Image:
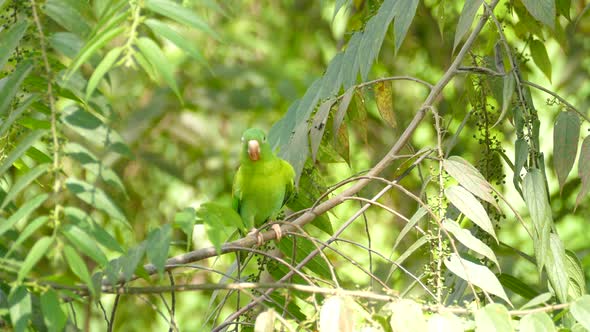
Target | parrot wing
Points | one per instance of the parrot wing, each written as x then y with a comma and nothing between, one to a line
237,191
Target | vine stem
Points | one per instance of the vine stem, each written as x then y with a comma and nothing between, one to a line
243,286
441,195
50,96
136,6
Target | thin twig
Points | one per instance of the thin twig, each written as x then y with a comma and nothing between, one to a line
113,313
52,107
104,313
352,261
480,70
386,208
172,304
558,97
242,286
416,279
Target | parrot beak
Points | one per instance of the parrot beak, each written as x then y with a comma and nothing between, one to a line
253,150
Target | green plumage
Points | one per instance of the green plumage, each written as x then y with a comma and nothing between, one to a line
263,183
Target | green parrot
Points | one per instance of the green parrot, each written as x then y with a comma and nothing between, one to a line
262,184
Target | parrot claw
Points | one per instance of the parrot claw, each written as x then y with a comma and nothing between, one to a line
278,231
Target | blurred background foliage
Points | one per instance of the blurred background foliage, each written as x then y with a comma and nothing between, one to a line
259,58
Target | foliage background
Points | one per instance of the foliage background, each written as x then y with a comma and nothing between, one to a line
181,120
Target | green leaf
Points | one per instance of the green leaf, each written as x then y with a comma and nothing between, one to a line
478,275
113,269
471,208
88,225
542,10
493,317
341,142
470,178
358,115
21,308
517,286
15,114
131,260
280,302
507,91
304,247
521,153
66,43
96,198
216,218
164,31
351,61
332,79
576,279
580,309
556,269
92,46
27,232
33,123
470,8
338,6
105,65
373,35
418,215
384,99
12,84
185,220
538,300
91,163
147,67
405,11
37,252
84,243
180,14
467,239
584,170
93,129
342,108
67,15
536,322
9,39
315,186
23,212
535,196
115,13
156,57
38,155
23,182
402,258
77,265
566,133
158,244
540,57
55,319
23,145
290,134
407,315
563,8
319,126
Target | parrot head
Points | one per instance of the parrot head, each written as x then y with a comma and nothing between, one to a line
254,145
